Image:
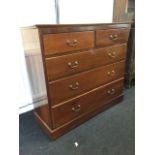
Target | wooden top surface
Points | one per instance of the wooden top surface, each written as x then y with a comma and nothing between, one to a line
93,25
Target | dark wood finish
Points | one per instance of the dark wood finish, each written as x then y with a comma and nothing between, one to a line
64,42
58,67
69,87
44,113
130,61
60,28
119,10
47,129
55,133
123,10
92,26
95,82
87,102
111,37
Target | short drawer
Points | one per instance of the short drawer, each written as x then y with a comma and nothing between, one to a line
64,42
111,37
70,64
85,103
67,88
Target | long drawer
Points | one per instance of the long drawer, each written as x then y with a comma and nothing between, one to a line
66,88
70,64
64,42
111,37
87,102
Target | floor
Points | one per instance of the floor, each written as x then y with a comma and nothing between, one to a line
109,133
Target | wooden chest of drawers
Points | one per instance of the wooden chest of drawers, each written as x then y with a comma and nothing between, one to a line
84,71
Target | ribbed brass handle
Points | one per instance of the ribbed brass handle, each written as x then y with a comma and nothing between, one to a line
76,108
113,37
75,86
72,43
111,92
73,65
112,54
112,73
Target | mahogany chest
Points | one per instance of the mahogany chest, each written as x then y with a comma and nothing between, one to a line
84,71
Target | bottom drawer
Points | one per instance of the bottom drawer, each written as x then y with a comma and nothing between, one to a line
86,102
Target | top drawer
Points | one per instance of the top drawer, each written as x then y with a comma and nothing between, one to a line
111,37
64,42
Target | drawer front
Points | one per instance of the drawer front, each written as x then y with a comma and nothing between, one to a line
69,87
92,100
64,42
111,37
70,64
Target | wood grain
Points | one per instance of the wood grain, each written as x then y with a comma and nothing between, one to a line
103,37
84,71
57,67
55,133
85,103
60,90
64,42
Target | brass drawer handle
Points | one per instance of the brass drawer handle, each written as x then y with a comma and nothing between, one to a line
74,87
112,73
112,55
77,108
73,65
72,43
111,92
113,37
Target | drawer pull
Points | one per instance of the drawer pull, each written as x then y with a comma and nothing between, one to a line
112,55
73,65
72,43
77,108
113,37
112,73
111,92
74,87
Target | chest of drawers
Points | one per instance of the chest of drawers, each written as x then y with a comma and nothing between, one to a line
84,71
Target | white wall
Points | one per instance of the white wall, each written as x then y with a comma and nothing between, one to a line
43,12
29,12
86,11
36,12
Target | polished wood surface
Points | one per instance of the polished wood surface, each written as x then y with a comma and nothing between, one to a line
111,37
56,133
71,86
70,64
85,103
64,42
84,72
45,114
65,28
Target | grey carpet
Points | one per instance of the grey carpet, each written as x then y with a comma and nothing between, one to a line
109,133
